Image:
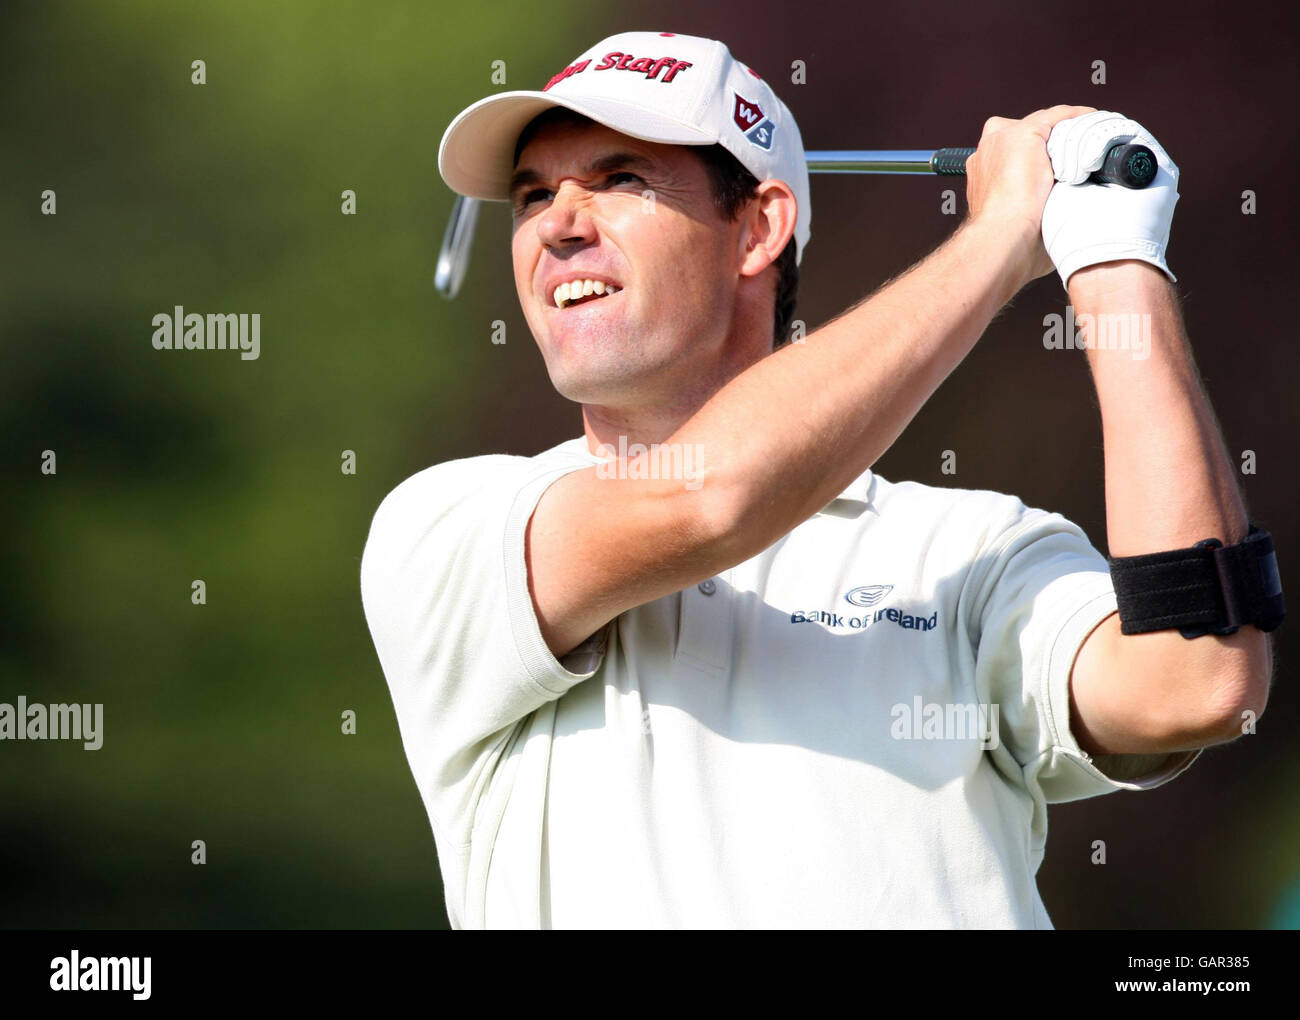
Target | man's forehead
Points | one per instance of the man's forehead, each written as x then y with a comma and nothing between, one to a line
574,130
585,139
597,153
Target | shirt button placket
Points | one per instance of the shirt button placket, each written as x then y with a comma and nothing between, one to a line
704,638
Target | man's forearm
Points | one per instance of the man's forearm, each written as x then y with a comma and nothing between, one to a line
1170,481
785,437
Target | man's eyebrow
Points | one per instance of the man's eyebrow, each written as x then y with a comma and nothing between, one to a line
612,161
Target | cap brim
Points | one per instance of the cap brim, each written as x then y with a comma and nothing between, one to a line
476,155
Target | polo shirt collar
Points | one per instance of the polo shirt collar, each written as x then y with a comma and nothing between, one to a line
855,498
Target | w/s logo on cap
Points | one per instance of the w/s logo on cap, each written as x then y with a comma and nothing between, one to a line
750,119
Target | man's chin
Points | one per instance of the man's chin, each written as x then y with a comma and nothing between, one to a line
588,391
609,388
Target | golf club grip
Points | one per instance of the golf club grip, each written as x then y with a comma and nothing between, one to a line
1126,164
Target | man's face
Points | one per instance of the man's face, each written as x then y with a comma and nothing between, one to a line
637,214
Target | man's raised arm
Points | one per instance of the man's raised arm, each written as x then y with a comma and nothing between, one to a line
786,435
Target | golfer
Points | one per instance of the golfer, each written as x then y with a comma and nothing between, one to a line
701,666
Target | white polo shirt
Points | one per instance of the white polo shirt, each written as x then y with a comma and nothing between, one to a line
797,742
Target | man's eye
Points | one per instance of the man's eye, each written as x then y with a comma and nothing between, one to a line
528,198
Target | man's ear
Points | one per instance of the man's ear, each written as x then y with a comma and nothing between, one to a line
768,225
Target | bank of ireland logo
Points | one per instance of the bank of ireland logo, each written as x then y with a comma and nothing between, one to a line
868,595
750,119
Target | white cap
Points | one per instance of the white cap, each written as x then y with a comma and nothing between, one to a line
656,86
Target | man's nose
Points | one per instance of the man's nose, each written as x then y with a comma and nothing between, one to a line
567,221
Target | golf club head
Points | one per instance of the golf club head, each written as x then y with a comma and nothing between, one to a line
453,259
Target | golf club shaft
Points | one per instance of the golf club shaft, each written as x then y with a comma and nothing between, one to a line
1129,165
1132,166
876,161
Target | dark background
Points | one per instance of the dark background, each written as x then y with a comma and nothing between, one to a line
222,721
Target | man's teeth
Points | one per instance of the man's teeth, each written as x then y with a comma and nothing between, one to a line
566,293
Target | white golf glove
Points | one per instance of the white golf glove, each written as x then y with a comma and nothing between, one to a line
1085,223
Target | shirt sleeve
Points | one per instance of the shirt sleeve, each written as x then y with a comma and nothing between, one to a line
445,591
1044,588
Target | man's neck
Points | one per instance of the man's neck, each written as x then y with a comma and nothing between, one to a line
609,427
656,421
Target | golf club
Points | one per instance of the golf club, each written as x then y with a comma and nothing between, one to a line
1128,165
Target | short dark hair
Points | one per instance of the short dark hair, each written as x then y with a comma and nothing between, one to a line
731,186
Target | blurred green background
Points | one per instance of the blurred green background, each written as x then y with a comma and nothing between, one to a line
222,721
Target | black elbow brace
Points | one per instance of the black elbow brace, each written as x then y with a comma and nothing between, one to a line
1209,588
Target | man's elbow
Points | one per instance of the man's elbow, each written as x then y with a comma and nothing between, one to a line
1231,705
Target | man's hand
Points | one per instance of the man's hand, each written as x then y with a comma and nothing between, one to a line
1086,224
1009,178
